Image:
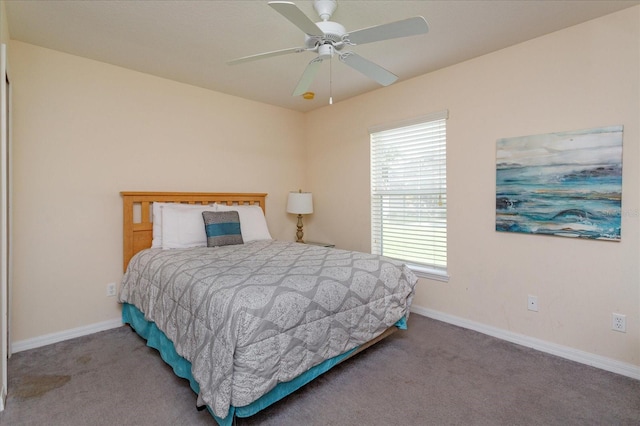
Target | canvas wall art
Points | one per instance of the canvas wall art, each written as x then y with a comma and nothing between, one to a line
566,184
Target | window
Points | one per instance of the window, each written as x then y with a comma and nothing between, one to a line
409,193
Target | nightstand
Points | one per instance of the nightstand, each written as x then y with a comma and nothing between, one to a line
314,243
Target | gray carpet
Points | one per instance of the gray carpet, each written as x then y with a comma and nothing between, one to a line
432,374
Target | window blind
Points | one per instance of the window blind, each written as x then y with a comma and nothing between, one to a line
409,192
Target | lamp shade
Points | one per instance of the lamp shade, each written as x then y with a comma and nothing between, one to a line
300,203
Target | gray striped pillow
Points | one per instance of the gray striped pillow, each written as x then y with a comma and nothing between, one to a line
222,228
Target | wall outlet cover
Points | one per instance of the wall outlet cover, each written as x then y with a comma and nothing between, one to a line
619,322
532,303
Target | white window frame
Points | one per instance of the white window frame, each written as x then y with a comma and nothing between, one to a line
426,227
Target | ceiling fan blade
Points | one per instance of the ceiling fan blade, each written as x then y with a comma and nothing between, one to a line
368,68
266,55
290,11
307,77
404,28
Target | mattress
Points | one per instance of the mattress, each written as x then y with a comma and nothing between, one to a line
182,368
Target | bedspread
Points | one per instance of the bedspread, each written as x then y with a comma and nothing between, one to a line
250,316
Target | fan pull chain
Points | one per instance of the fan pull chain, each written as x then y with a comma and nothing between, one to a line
331,80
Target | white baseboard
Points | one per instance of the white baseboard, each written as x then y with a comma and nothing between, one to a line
48,339
566,352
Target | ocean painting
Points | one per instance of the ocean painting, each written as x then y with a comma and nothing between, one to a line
566,184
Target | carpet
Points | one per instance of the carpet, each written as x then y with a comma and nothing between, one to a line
432,374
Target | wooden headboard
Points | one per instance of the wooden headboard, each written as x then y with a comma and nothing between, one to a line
137,220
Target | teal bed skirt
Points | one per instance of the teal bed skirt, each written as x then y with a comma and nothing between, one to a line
182,368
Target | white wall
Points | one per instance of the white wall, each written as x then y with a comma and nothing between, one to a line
4,25
582,77
83,132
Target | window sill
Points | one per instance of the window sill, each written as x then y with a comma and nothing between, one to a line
429,273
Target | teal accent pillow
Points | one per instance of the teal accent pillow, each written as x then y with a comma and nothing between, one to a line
222,228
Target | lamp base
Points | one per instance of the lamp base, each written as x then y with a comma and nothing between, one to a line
299,233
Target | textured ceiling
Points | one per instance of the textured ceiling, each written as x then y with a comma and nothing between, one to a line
191,41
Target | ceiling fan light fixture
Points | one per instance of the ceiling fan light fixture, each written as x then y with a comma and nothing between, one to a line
308,95
325,51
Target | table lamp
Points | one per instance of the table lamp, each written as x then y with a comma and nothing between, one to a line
300,203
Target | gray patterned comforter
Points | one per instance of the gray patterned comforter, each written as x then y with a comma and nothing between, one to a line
250,316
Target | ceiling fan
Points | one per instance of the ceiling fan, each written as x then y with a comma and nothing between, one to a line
328,38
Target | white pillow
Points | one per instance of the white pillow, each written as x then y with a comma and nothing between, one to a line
253,225
157,224
183,225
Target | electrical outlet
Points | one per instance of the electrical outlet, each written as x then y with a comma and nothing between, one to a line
111,289
532,303
619,322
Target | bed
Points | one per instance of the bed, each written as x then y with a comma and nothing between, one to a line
245,318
